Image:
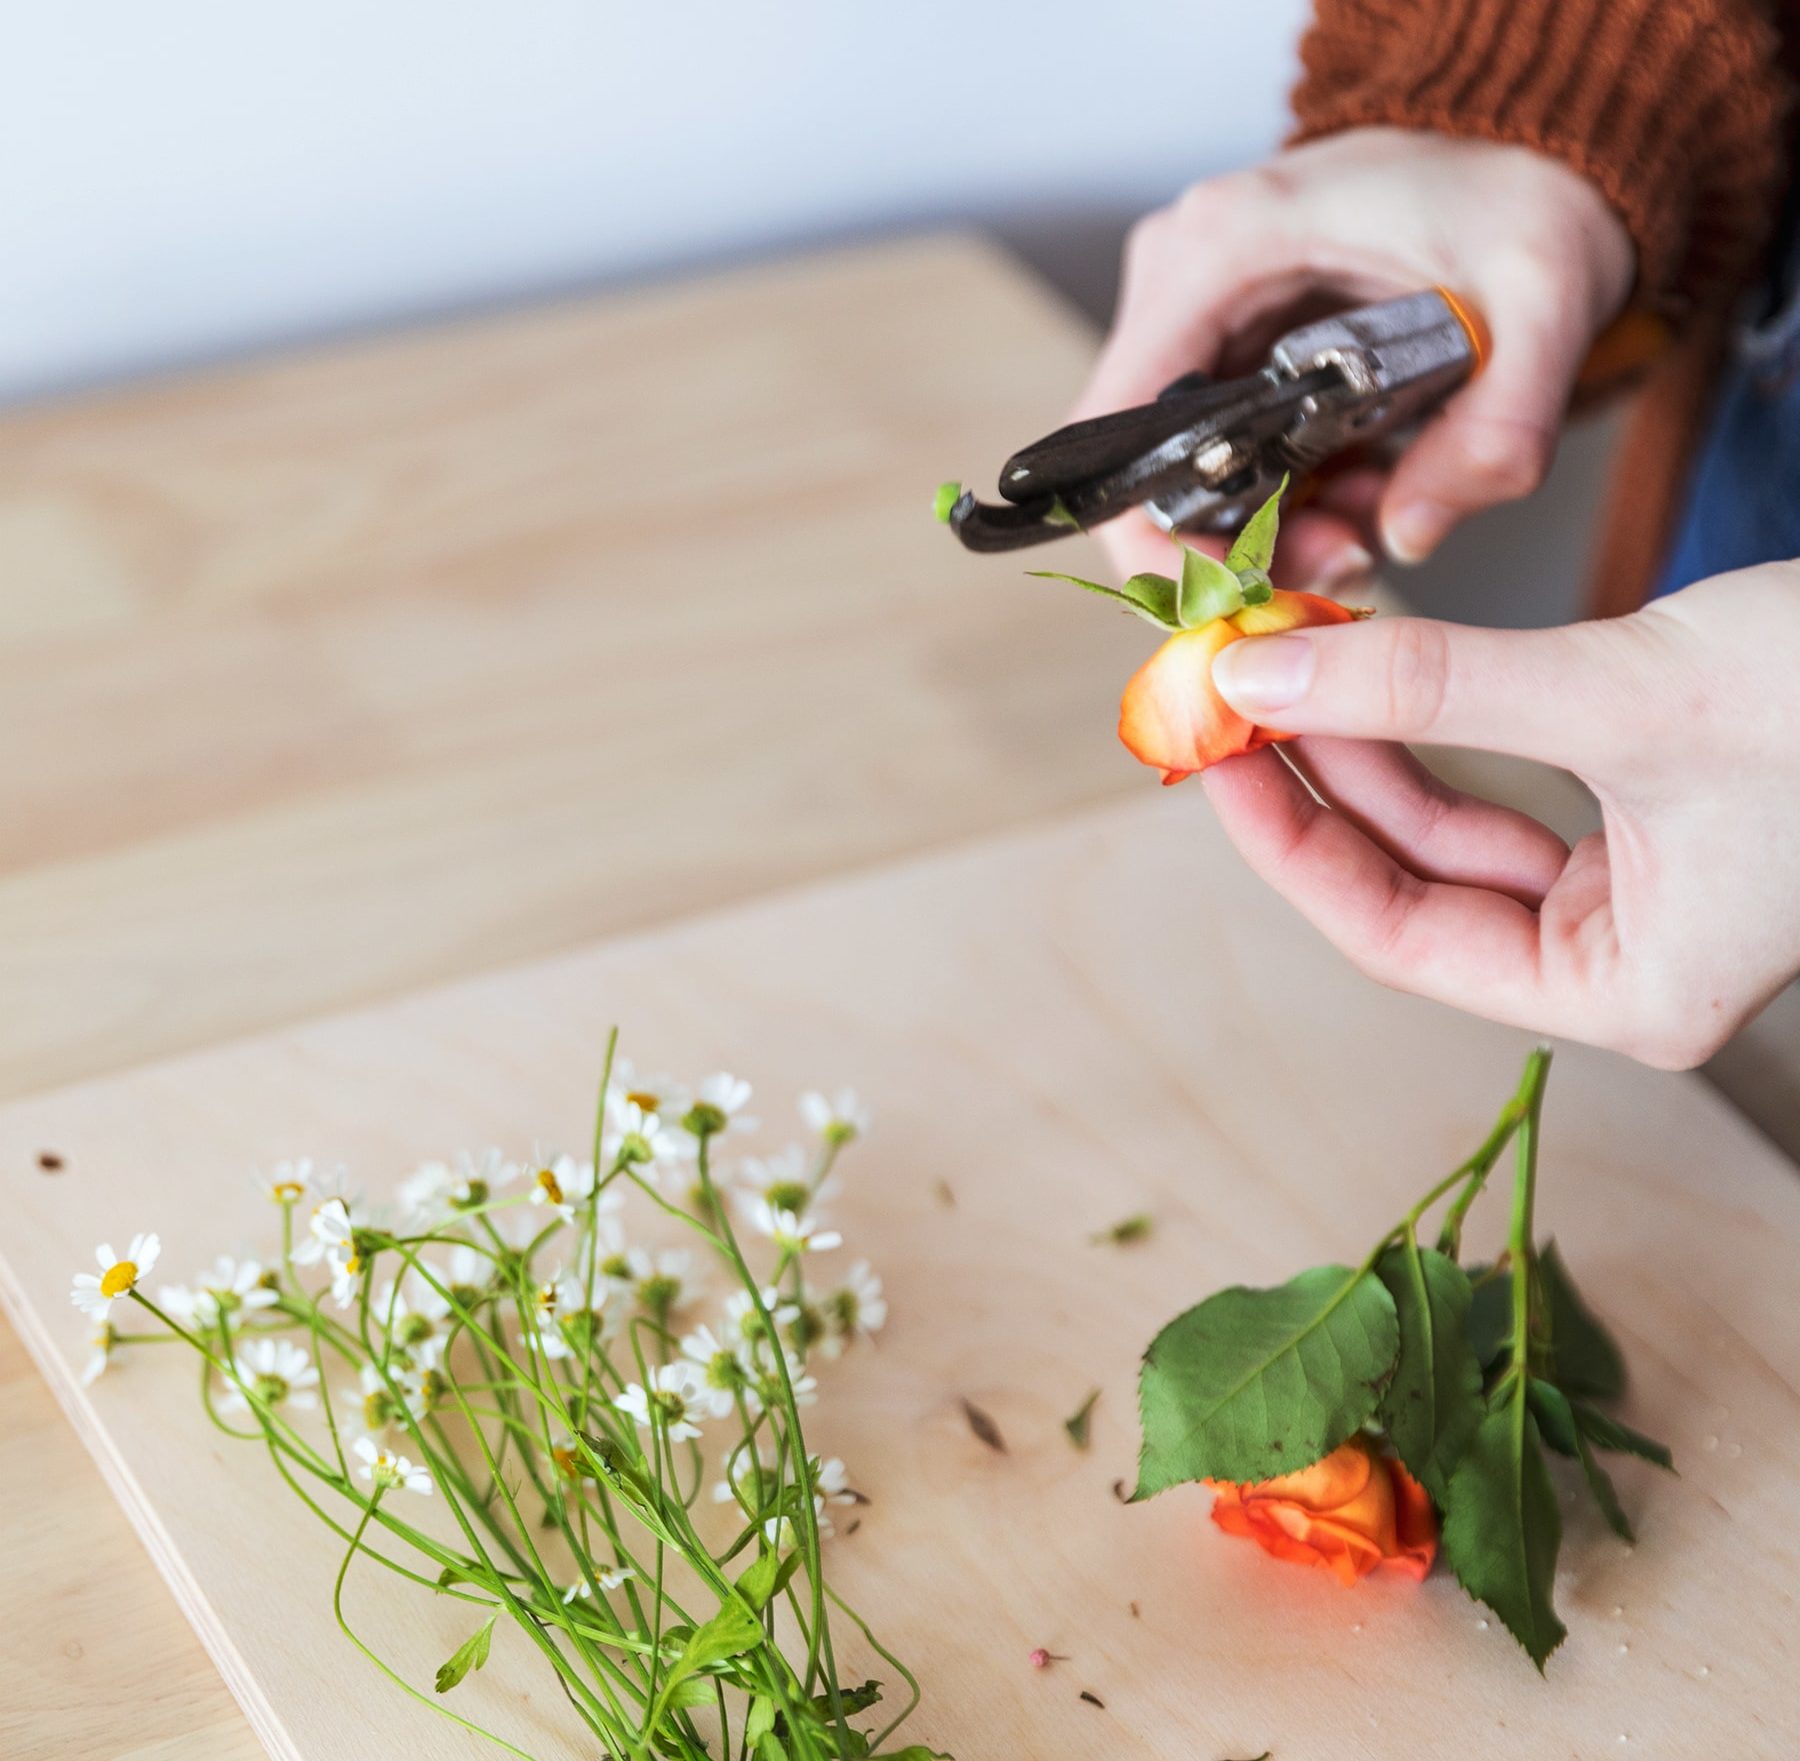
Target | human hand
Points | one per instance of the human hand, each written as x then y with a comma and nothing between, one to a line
1657,937
1211,280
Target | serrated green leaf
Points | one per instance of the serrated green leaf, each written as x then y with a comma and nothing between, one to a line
1150,597
1502,1528
1208,590
1490,1315
1556,1422
770,1747
691,1691
1605,1432
1585,1360
767,1578
470,1654
1254,547
946,498
1556,1419
1432,1405
1253,1383
731,1632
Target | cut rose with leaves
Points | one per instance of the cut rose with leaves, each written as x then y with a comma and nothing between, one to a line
1172,716
1352,1513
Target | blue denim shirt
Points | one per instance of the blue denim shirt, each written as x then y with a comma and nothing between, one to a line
1744,501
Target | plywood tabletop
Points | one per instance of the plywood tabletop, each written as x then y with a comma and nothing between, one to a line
327,676
1065,1026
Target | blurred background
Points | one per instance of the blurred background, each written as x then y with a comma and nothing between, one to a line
194,181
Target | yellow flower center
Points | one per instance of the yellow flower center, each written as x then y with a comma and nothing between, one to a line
285,1192
643,1100
552,1187
118,1279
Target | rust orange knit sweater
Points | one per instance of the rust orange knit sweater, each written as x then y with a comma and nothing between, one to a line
1676,109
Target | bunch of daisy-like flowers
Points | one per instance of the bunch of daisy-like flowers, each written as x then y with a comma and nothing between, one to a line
534,1346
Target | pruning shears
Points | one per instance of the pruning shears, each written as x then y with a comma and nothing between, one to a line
1207,453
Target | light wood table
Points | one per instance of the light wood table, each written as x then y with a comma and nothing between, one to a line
326,678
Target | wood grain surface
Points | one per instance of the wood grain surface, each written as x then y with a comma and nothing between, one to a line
330,675
1065,1026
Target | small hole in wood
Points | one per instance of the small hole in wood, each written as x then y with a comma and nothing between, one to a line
50,1161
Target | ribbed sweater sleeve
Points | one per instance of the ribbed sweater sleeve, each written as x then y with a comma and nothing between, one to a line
1676,109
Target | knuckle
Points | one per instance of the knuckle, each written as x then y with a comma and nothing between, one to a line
1417,676
1509,458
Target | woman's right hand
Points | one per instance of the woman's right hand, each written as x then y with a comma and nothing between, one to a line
1212,279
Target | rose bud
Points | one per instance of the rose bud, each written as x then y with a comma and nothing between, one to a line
1350,1513
1172,715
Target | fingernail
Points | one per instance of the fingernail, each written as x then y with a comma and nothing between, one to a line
1413,531
1346,568
1264,673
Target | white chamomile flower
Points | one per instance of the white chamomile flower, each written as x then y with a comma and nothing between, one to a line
676,1401
792,1235
743,1321
724,1098
383,1469
721,1365
781,1181
660,1279
650,1093
563,1184
94,1293
645,1141
404,1395
608,1577
439,1189
231,1287
101,1341
416,1319
468,1275
276,1371
831,1485
839,1119
287,1183
855,1310
325,1216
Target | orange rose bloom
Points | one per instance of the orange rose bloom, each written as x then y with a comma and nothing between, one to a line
1173,718
1351,1512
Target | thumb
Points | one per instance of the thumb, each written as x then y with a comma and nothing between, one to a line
1570,697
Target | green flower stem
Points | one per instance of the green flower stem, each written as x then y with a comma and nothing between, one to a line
337,1609
1520,1250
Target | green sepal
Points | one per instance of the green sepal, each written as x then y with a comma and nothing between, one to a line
1208,590
1149,596
470,1654
1253,1383
1432,1404
1502,1529
1254,546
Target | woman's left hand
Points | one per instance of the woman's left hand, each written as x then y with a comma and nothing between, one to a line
1657,937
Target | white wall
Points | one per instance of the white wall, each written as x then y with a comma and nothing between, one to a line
189,178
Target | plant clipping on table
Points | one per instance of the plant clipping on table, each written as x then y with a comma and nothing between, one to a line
628,1484
1337,1414
1172,715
